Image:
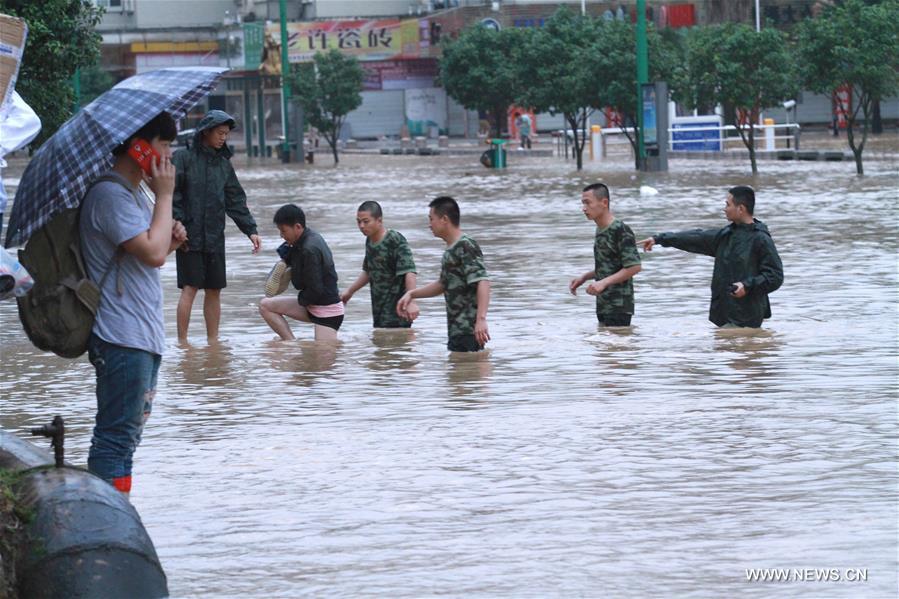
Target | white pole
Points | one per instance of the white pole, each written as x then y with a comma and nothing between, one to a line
758,28
584,7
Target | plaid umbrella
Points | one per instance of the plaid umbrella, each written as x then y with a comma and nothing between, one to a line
61,170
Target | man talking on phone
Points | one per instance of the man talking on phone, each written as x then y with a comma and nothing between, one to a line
207,189
747,266
125,238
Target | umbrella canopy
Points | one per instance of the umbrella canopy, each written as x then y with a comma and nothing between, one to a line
60,172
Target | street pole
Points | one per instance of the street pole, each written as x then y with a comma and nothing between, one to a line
758,17
642,74
76,87
285,83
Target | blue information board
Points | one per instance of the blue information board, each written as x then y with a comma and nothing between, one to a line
696,136
650,131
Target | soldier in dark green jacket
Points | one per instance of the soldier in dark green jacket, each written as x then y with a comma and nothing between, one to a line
207,189
747,266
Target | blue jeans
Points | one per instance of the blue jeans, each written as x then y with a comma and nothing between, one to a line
126,384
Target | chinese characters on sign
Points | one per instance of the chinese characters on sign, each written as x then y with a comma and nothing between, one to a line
373,39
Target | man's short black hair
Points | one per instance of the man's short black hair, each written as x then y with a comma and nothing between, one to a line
162,126
743,196
446,206
372,207
290,214
600,191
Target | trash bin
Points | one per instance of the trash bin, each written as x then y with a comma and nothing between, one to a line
499,153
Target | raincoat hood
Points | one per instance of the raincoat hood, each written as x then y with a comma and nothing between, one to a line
213,118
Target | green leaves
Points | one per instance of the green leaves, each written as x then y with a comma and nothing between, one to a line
328,89
853,44
479,69
61,39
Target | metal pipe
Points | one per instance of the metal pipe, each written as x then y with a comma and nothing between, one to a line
285,83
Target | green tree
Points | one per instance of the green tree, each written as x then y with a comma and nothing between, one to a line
614,60
94,81
328,89
61,39
853,44
734,65
478,70
559,64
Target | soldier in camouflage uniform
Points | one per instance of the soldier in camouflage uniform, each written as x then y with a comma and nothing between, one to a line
615,257
463,281
747,265
388,266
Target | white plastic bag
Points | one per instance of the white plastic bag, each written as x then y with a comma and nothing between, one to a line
14,279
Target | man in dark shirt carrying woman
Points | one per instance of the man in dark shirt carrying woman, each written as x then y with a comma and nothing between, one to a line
312,273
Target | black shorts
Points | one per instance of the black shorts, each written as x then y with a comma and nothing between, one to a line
465,343
614,320
332,322
203,270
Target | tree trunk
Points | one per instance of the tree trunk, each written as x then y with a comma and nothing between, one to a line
864,103
635,143
876,120
755,167
578,142
499,113
335,127
750,141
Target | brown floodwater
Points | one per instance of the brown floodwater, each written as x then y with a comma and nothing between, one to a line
664,459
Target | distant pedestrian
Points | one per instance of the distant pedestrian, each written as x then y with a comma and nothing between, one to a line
206,190
463,281
524,130
747,265
615,257
312,273
388,267
126,236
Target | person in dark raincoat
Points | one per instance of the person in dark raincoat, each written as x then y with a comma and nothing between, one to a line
747,266
207,189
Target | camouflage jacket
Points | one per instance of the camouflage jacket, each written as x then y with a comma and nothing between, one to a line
743,253
615,248
387,262
460,270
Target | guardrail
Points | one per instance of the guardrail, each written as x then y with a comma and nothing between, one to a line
767,137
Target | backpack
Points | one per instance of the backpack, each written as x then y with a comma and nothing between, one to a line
58,312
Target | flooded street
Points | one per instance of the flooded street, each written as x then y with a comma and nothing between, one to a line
665,459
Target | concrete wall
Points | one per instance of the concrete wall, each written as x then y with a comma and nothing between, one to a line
152,14
331,9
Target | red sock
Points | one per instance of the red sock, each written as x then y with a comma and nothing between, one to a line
122,484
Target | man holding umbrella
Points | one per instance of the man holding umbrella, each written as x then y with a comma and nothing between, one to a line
206,189
125,239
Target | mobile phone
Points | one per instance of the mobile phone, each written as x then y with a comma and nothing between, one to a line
143,153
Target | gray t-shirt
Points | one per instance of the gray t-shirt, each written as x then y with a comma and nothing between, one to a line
111,215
